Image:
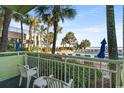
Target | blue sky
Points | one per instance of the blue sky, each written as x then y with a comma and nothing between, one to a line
90,23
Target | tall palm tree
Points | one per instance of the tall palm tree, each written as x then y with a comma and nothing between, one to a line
1,17
36,27
123,31
48,39
123,51
47,18
4,39
33,23
111,32
42,33
59,14
111,36
18,18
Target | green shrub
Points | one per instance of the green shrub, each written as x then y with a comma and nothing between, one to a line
10,48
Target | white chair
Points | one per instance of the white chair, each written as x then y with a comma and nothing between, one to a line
26,72
56,83
40,82
50,82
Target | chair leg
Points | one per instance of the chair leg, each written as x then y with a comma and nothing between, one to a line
20,81
33,86
28,81
37,74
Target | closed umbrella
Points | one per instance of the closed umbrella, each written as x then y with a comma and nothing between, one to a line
17,46
102,49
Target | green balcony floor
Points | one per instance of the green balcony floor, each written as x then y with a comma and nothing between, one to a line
14,83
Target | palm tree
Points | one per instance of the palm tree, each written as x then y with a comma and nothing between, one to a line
111,36
1,17
36,27
56,14
42,33
60,13
123,31
18,18
33,23
47,18
59,29
4,39
48,39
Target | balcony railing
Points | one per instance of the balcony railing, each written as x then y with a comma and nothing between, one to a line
86,72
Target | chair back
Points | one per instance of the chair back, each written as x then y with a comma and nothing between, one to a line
23,70
56,83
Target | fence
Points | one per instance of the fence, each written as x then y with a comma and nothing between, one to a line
86,72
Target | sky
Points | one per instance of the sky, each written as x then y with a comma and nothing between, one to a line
89,23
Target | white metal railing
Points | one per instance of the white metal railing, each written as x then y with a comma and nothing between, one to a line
12,53
86,72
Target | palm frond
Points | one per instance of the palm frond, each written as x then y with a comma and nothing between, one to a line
42,9
69,13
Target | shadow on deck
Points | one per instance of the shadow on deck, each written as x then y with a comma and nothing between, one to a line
14,83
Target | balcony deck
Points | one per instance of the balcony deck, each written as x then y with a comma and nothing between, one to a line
14,83
85,72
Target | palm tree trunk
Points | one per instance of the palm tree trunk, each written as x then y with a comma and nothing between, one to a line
111,36
123,31
55,35
4,38
69,47
55,24
1,18
47,37
63,46
30,38
21,23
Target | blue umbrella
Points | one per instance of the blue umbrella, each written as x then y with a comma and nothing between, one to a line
17,46
102,49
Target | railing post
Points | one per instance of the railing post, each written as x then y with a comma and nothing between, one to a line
38,64
118,74
65,69
26,59
18,53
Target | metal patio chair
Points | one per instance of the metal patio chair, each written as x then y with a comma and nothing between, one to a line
26,72
51,82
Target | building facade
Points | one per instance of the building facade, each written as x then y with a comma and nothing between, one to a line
14,34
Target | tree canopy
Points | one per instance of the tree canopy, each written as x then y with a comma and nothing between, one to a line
84,44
